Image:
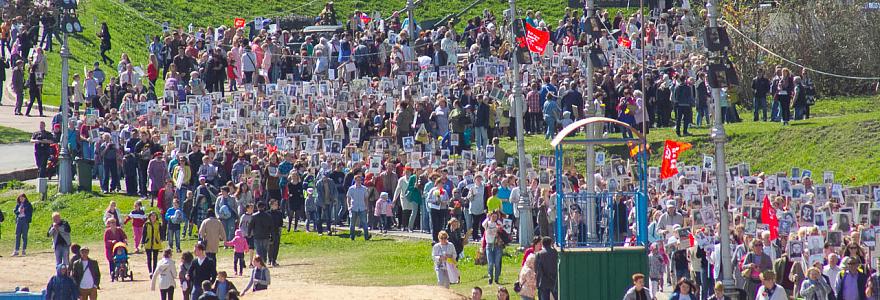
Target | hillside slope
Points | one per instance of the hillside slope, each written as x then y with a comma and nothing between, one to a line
842,137
130,23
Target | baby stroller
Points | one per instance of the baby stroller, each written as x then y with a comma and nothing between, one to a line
120,261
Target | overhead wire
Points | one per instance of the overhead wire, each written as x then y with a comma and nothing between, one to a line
768,51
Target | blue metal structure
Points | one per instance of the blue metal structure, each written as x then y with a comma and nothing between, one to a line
569,205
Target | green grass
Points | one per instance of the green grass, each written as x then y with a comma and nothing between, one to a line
12,135
131,21
841,138
389,262
382,261
84,211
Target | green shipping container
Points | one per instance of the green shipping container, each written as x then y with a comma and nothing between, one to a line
599,273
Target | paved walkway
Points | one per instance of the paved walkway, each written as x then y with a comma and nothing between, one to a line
19,156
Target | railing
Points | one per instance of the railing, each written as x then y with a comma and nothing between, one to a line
587,219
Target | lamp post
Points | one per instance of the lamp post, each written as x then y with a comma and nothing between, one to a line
69,24
526,228
719,138
591,131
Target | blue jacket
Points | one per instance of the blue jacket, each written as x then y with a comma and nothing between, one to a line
551,110
28,212
62,288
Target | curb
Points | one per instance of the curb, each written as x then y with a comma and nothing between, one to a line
20,175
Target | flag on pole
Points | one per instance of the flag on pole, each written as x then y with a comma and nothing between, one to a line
624,42
669,167
536,39
768,216
239,23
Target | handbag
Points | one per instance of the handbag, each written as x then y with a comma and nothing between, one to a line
517,287
480,260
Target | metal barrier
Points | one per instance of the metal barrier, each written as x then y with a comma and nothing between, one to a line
591,219
587,219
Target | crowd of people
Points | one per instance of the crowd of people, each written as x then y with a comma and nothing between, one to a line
386,129
791,237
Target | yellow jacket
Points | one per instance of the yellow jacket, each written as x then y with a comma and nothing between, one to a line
187,174
152,239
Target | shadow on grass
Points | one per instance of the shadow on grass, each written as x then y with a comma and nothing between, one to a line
82,39
801,123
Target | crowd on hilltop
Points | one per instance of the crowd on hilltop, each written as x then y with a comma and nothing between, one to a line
260,128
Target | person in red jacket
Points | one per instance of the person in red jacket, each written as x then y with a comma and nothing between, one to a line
153,72
231,71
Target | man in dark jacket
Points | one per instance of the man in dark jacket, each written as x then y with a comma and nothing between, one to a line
203,268
573,101
86,275
683,96
277,223
62,286
18,85
760,86
261,229
546,270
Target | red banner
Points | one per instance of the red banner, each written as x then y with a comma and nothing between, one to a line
239,23
624,42
670,158
536,39
768,216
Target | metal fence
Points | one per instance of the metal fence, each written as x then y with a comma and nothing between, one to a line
587,219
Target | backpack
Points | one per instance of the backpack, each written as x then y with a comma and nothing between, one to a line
225,210
177,218
225,213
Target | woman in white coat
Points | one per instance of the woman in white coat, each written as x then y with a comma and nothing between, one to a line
166,274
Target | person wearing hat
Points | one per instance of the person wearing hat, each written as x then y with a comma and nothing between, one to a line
670,217
86,275
157,174
61,286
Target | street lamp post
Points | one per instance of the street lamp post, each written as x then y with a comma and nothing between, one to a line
69,23
591,131
526,228
65,174
719,138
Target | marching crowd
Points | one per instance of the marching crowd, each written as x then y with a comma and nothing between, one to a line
262,128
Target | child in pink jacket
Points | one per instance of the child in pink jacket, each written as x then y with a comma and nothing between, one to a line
385,211
240,245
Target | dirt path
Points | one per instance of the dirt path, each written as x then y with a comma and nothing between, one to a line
289,281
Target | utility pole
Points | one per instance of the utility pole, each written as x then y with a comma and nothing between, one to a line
524,205
65,174
591,133
411,29
719,138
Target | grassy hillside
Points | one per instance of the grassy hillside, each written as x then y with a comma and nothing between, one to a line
131,21
12,135
842,137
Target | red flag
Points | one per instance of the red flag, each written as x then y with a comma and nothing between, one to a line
669,167
366,19
624,42
768,216
536,39
239,23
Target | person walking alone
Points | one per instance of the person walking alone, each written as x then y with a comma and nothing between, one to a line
59,231
23,213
